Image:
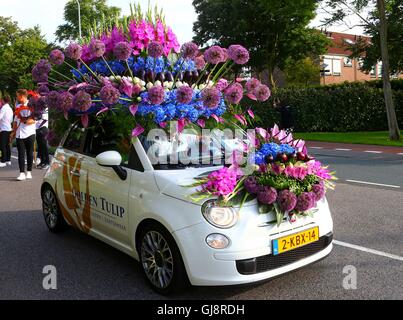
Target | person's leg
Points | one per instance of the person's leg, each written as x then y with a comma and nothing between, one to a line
21,154
39,144
43,145
3,149
8,147
29,146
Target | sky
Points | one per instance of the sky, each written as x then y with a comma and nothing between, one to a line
180,15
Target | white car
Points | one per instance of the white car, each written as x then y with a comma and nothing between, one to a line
145,211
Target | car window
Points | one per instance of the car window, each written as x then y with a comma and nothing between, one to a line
104,137
75,139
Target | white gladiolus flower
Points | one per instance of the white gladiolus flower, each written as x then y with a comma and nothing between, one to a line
158,83
149,85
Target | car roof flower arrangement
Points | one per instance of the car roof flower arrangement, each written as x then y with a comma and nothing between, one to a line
138,66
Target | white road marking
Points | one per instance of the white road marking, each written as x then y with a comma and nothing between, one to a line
379,253
369,151
400,154
14,157
374,184
315,148
342,149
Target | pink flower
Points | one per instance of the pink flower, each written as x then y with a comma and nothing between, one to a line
221,182
222,84
262,93
137,131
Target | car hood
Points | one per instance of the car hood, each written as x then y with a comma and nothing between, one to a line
175,183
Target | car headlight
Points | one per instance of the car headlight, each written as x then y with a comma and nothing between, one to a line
219,216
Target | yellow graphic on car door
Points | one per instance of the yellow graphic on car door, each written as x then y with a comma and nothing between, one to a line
75,212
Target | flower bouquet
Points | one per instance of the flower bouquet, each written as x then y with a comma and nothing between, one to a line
139,67
279,174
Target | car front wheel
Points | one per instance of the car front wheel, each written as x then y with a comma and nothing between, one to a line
161,260
51,211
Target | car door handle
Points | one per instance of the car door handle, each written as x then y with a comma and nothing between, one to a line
75,173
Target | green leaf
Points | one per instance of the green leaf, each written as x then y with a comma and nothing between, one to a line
279,214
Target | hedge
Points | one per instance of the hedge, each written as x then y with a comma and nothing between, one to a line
334,108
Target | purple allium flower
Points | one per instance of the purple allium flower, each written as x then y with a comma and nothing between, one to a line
109,95
252,84
56,57
97,48
52,99
225,54
39,77
262,93
156,95
306,201
266,195
251,185
82,101
234,93
122,50
155,49
287,200
200,63
214,55
43,90
211,97
221,84
73,51
65,101
319,191
190,50
238,54
184,94
43,66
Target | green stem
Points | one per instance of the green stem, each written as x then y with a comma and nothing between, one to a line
75,69
202,73
61,74
177,74
89,69
107,64
130,71
215,78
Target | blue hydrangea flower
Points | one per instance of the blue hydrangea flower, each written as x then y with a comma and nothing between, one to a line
270,149
286,148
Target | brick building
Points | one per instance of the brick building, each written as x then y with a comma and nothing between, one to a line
339,67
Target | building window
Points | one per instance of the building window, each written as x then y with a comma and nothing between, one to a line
328,67
336,67
379,69
372,72
347,62
360,63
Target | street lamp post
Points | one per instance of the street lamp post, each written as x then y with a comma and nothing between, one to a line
79,18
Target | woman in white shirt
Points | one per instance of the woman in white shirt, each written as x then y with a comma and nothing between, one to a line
24,129
6,119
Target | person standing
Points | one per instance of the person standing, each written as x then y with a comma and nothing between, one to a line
6,120
41,139
24,131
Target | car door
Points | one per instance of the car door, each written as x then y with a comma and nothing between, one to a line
68,188
107,193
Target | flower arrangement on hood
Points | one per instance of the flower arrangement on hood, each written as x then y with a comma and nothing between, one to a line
280,174
139,66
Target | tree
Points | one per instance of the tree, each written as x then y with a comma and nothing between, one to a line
92,11
272,30
303,72
379,24
20,50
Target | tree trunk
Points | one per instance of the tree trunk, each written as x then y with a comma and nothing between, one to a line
394,133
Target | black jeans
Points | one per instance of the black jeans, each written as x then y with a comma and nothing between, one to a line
26,146
5,146
42,142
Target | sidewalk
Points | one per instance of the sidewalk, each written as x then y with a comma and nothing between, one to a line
354,147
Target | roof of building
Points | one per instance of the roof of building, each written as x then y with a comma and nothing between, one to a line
341,41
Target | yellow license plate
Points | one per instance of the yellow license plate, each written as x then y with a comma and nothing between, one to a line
295,240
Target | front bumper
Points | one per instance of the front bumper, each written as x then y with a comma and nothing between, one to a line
249,256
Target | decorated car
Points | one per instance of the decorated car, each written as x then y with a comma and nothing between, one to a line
162,161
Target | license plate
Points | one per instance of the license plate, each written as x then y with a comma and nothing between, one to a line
295,240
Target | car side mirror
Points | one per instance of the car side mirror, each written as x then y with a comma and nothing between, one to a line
112,159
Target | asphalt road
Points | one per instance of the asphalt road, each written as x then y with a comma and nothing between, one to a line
365,215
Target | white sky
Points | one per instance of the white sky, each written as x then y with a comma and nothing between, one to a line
48,14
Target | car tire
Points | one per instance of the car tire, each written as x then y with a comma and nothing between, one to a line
161,261
51,211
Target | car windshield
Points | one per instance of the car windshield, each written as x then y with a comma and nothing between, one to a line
191,149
